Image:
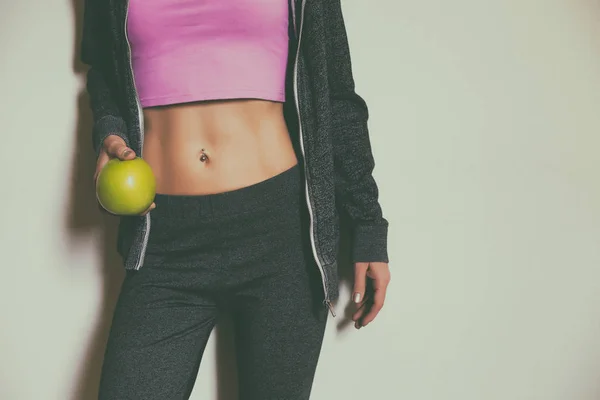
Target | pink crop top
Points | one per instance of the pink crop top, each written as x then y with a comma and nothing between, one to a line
194,50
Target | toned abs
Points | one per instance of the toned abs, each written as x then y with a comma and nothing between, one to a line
216,146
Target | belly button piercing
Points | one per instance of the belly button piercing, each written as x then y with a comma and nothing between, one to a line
203,156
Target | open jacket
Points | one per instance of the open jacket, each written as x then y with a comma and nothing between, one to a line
327,121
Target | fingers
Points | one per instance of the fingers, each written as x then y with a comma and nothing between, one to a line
360,282
116,148
121,152
152,207
378,300
359,291
362,309
100,163
369,304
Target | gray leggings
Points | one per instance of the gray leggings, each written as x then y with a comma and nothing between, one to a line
244,252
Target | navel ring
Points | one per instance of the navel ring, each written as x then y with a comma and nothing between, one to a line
203,156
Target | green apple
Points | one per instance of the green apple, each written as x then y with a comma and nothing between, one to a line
126,187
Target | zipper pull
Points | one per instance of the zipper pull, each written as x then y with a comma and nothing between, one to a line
330,307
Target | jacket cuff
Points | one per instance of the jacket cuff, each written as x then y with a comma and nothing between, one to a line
105,127
370,243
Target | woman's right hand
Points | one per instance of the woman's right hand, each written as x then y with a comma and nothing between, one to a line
114,147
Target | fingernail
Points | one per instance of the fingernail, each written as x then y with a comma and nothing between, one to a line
356,297
126,153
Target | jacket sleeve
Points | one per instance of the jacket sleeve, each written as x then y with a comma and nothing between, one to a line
356,191
95,52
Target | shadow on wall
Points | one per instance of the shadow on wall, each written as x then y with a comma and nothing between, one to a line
346,275
85,219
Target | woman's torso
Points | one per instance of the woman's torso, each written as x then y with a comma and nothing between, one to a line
211,78
309,111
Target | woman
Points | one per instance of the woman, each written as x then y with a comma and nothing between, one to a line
247,114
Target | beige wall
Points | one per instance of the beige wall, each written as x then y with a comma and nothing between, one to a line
485,121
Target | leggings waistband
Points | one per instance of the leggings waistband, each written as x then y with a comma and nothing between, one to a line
283,189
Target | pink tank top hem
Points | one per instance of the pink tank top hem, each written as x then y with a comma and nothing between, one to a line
207,96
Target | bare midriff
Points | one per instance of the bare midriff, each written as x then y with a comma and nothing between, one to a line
216,146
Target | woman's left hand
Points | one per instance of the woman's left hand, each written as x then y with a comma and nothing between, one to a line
370,285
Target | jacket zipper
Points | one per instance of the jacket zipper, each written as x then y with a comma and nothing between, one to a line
327,302
140,261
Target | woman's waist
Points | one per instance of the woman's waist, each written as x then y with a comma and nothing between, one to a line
203,149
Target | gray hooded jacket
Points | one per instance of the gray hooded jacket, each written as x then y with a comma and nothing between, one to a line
327,121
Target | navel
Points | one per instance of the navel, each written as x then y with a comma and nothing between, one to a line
203,156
